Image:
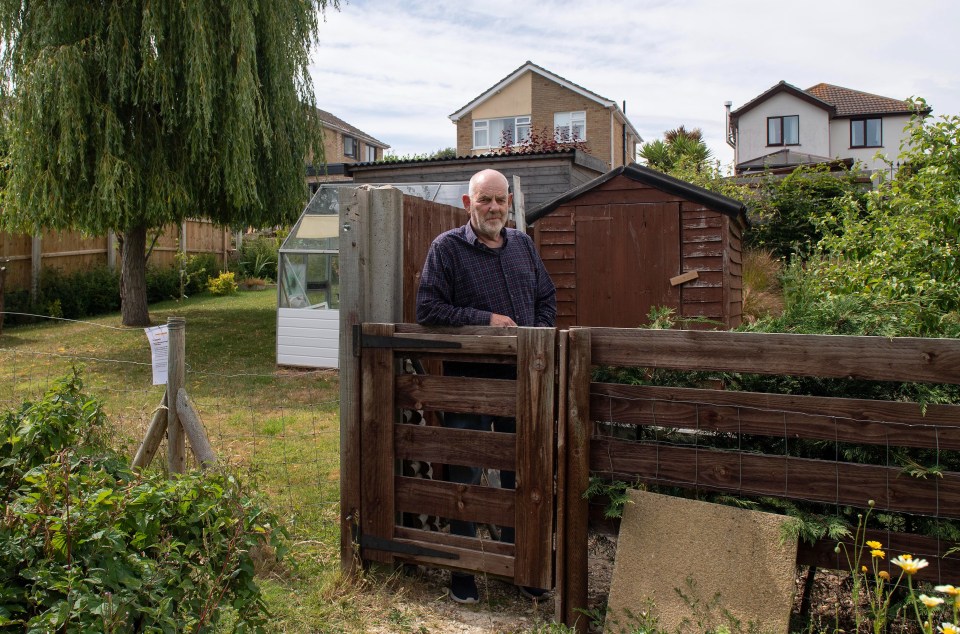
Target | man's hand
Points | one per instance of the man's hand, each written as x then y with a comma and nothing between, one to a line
501,320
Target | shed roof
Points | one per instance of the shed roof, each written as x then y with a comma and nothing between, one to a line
655,179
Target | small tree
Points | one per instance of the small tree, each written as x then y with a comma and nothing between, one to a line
679,147
129,116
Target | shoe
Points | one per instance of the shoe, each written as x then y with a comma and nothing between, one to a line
534,594
463,588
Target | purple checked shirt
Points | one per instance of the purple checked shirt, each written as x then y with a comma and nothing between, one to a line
464,281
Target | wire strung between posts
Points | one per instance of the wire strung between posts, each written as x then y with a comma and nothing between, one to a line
77,321
71,356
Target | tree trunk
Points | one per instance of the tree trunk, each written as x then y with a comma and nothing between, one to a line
133,278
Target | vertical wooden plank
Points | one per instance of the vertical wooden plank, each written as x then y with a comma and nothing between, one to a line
36,262
536,360
377,419
354,223
577,479
176,364
563,338
519,207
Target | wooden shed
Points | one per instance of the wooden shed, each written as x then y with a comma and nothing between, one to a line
634,239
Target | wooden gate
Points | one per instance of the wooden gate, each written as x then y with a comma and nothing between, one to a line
385,496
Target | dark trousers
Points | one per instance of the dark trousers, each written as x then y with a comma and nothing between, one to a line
471,475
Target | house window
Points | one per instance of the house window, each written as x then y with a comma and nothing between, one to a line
783,130
371,154
866,132
351,147
488,133
570,126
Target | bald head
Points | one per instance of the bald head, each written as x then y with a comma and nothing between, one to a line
487,179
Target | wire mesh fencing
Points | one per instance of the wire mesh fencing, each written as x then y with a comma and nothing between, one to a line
278,429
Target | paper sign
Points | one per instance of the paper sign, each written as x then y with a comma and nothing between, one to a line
159,345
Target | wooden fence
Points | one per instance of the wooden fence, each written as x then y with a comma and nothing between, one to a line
25,255
635,433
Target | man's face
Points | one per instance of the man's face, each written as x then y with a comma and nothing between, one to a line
488,207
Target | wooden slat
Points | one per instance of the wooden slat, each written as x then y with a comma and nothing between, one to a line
942,569
468,395
469,344
488,557
861,421
536,373
455,501
876,358
377,415
572,587
563,382
486,449
781,476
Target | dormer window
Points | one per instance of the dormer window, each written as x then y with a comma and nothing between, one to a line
866,132
783,130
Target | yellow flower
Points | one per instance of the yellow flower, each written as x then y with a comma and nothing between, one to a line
951,590
948,628
876,552
883,574
909,564
874,545
930,602
863,568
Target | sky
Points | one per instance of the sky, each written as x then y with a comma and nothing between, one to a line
397,69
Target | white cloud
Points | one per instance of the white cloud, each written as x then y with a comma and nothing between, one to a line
396,70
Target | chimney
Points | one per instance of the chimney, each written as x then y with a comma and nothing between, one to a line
731,133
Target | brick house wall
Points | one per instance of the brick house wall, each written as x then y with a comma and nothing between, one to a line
550,97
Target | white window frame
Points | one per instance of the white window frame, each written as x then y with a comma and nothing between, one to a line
371,155
482,127
564,123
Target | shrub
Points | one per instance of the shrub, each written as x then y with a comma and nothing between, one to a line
223,284
258,258
90,545
200,268
163,282
79,293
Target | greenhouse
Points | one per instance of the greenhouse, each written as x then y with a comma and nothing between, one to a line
308,289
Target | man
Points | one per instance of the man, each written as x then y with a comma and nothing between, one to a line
477,275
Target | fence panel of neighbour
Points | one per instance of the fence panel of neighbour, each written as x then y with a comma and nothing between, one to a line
25,255
809,449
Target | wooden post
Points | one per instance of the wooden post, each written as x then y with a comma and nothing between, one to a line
176,446
3,283
573,550
536,362
36,262
112,250
371,289
151,440
563,340
190,419
519,208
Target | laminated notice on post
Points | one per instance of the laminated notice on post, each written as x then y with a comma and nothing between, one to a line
159,344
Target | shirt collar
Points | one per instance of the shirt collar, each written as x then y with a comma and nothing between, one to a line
472,238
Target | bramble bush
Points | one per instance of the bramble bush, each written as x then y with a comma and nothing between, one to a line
87,544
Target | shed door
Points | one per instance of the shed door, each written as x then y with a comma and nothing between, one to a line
626,255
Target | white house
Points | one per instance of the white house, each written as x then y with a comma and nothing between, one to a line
789,126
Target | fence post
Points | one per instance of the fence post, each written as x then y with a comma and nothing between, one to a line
3,283
112,250
371,289
576,517
176,449
36,261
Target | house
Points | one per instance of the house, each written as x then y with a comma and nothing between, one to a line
786,126
635,239
532,100
343,144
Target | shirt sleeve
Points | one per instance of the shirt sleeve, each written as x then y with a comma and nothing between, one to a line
435,295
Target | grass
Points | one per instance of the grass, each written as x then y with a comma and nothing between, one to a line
279,428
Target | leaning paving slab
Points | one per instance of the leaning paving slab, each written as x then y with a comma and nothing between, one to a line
722,558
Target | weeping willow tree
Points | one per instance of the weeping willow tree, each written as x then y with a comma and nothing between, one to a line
127,115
